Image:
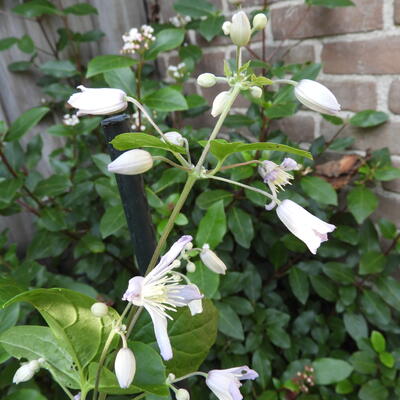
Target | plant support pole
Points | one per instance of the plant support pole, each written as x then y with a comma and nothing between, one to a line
131,190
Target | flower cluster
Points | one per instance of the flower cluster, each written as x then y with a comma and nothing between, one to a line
137,40
177,72
70,120
137,123
305,379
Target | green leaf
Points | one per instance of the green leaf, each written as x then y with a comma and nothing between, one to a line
81,9
319,190
101,64
387,359
206,280
235,120
280,110
212,227
36,8
372,262
298,281
9,317
26,44
59,69
375,308
25,122
19,66
7,42
262,365
387,173
361,202
166,99
133,140
33,342
53,186
373,390
240,224
209,197
199,8
121,78
229,323
355,325
25,394
61,130
9,190
222,149
339,272
330,3
46,244
378,341
112,221
344,387
389,289
368,118
211,26
323,287
166,39
364,362
331,370
191,337
341,144
52,219
68,315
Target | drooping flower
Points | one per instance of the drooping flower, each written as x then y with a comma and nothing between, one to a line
219,103
212,261
302,224
161,291
98,101
131,162
317,97
125,367
27,370
225,383
240,30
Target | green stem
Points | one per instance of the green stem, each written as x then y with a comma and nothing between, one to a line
288,81
67,392
139,88
168,161
266,194
198,373
133,321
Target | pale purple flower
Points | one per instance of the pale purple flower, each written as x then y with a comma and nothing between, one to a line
160,291
225,383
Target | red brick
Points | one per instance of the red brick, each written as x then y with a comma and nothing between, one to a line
394,97
299,22
397,12
299,128
374,56
211,62
386,135
353,95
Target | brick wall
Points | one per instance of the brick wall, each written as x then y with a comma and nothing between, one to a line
359,48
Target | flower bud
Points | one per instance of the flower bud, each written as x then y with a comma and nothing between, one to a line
99,309
132,162
219,103
98,101
317,97
226,27
190,267
256,92
27,370
182,394
240,31
260,22
175,138
206,80
125,367
212,261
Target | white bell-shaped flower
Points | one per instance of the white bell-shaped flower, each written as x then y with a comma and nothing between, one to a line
212,261
27,370
161,291
98,101
317,97
219,103
225,383
125,367
240,30
302,224
132,162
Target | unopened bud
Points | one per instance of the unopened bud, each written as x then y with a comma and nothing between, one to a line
125,367
260,22
99,310
240,31
206,80
226,27
190,267
219,103
27,370
182,394
132,162
175,138
256,92
212,261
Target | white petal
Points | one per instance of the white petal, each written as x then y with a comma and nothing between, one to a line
125,367
132,162
134,293
219,103
240,30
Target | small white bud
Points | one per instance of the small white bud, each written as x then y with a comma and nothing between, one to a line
182,394
219,103
99,309
171,377
256,92
212,261
175,138
260,22
27,370
125,367
226,27
206,80
190,267
132,162
176,264
189,246
240,29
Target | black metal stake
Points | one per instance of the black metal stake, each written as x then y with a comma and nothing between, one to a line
131,190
